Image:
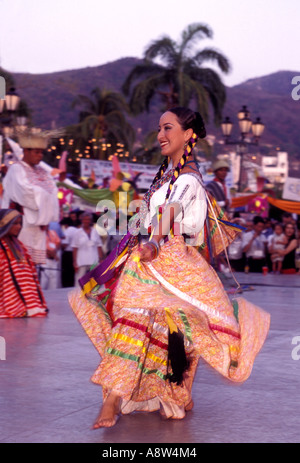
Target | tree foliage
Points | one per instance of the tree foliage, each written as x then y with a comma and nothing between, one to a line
177,73
102,117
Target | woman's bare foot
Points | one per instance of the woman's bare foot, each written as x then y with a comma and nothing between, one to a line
109,412
189,406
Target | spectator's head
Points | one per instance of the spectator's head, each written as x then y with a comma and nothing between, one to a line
73,216
86,219
66,222
248,224
258,224
10,223
278,228
289,231
221,169
267,223
287,218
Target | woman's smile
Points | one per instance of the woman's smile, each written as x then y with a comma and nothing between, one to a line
170,136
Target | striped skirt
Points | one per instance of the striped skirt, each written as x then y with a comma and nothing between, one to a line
20,292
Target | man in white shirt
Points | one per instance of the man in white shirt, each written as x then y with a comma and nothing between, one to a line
87,247
31,190
254,246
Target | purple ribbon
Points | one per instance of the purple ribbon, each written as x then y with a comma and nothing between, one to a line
97,272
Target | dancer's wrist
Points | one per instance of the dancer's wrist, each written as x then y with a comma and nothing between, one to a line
154,248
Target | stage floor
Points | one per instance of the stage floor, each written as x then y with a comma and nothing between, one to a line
46,395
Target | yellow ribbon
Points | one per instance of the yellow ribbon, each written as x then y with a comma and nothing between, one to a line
91,284
172,326
137,259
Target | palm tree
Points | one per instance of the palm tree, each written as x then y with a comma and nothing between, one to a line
102,118
180,77
148,151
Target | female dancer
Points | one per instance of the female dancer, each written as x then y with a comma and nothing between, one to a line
20,291
166,307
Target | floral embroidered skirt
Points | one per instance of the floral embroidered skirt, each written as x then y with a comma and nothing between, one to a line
133,343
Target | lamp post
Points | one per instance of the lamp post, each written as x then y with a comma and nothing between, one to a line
245,126
8,107
12,100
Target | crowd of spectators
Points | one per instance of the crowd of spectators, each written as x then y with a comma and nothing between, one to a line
266,245
75,244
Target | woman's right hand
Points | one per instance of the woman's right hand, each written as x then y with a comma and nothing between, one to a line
146,253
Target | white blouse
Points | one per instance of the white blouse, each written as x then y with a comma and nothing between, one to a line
189,193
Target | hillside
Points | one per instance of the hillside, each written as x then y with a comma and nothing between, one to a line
50,97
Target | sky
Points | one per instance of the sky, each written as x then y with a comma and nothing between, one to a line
259,37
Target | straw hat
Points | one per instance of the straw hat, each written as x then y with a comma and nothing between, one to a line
220,164
33,141
36,138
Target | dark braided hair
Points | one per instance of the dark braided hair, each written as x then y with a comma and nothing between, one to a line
187,119
161,171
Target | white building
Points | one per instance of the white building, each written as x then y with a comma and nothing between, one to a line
276,168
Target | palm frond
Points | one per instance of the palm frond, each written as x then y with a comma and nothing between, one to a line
144,69
144,91
164,48
193,33
211,54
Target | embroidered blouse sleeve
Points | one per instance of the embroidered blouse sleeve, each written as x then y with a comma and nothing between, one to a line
189,193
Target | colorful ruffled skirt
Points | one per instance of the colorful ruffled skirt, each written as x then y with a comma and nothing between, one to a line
180,288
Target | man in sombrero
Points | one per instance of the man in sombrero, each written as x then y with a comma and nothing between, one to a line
32,191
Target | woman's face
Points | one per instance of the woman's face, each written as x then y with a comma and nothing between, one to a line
15,228
289,229
171,136
86,221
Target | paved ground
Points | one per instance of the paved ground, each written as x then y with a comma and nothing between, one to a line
46,395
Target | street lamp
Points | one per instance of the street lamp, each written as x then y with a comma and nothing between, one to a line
8,107
245,126
12,100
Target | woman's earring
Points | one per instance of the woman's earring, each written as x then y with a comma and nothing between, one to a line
185,145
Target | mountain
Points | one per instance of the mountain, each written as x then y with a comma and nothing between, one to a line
50,97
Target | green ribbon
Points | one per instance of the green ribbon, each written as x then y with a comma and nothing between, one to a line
142,280
236,309
187,326
135,358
